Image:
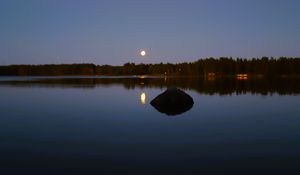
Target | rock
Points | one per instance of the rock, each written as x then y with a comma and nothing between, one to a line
172,102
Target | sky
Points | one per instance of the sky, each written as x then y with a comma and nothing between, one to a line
115,31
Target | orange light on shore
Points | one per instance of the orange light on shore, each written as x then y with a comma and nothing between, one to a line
242,76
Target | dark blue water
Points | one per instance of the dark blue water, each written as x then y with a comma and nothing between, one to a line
106,128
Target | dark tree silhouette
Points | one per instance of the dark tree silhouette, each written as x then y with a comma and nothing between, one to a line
222,67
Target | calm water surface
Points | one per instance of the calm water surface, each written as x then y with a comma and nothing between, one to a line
107,125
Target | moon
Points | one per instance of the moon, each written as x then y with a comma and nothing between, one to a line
143,53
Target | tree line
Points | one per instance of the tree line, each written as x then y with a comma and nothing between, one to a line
269,67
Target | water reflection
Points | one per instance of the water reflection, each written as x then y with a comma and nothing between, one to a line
143,98
83,125
225,86
173,102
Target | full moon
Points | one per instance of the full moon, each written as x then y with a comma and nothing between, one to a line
143,53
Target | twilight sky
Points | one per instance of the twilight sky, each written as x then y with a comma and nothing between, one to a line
114,31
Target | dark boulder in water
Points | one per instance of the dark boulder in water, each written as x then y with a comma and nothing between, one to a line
173,101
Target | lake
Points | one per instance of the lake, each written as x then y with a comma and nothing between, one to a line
106,125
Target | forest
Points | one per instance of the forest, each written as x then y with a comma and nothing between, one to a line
220,67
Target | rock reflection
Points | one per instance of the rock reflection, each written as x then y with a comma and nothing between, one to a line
173,102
